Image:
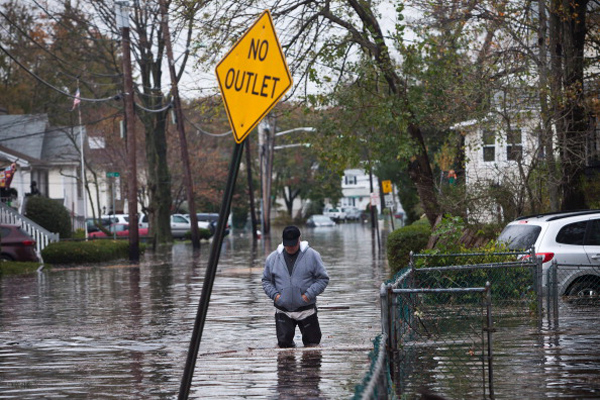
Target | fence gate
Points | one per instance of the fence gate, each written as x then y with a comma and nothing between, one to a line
440,320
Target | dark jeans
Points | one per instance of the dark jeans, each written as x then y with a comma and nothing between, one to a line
286,329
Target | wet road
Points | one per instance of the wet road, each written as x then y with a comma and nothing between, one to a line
123,332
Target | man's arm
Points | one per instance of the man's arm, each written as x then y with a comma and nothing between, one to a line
320,276
267,281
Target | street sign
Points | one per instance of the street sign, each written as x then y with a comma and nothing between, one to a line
386,186
253,77
113,174
374,199
389,201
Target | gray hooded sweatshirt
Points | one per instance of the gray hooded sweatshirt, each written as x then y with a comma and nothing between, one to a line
308,277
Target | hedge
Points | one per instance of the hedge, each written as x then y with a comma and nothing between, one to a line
203,233
50,214
84,252
404,240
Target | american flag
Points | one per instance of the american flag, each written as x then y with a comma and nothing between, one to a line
76,100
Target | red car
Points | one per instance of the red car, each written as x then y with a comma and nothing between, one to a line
119,229
16,244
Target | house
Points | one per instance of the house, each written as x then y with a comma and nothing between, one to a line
502,155
48,161
356,191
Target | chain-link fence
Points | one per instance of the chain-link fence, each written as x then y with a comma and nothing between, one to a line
573,279
441,312
377,383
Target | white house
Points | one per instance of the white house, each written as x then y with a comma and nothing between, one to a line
48,161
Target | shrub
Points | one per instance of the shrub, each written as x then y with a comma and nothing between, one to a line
82,252
404,240
49,214
203,233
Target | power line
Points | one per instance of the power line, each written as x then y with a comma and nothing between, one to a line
25,34
202,131
115,97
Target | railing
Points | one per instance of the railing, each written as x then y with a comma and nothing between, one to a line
40,235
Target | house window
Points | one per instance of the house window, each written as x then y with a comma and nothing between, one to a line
350,179
489,146
514,148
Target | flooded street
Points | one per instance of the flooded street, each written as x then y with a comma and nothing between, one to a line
123,332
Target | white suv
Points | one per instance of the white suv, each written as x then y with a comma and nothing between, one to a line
571,238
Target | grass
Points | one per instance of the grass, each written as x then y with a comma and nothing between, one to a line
9,268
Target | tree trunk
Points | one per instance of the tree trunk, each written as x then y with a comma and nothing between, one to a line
574,120
159,179
420,173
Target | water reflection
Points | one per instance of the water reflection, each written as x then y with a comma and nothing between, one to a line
299,379
123,331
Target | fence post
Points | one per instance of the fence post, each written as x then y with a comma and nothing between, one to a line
489,329
538,283
385,321
554,269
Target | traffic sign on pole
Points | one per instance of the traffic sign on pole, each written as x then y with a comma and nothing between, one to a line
386,186
113,174
253,77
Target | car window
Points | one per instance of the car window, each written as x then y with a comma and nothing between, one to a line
593,238
572,233
519,237
179,219
4,232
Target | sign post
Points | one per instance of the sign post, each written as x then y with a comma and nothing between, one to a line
113,175
386,187
253,77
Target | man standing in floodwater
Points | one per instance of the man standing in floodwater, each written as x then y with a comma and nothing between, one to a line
294,276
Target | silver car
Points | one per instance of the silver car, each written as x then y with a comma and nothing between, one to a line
571,239
319,220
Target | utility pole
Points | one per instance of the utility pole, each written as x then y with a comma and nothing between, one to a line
187,176
134,235
266,143
251,190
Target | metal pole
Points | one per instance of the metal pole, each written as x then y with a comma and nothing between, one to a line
83,177
490,328
114,220
211,270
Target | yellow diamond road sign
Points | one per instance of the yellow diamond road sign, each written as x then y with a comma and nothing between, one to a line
253,76
386,186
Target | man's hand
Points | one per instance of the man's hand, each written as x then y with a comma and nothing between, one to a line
277,297
305,298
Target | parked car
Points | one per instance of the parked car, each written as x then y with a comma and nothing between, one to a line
117,218
352,213
318,220
335,214
567,237
212,219
93,226
118,230
180,225
16,244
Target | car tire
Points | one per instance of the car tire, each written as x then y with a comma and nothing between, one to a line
587,288
5,257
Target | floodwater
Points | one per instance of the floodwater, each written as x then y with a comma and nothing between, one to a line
122,331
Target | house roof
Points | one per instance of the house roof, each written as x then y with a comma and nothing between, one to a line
31,137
